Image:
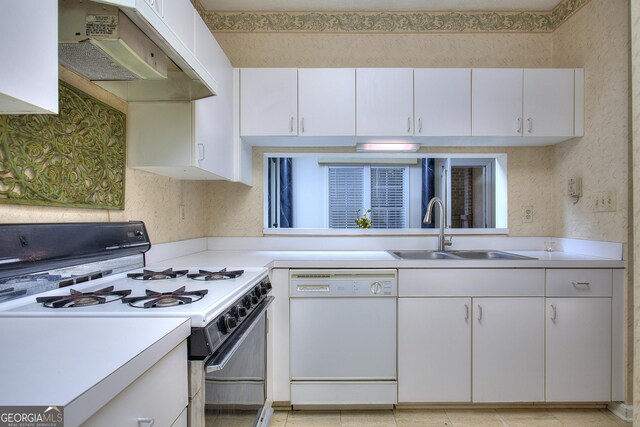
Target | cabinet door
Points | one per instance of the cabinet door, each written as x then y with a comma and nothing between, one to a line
442,99
268,101
29,52
179,16
548,102
326,101
384,101
434,350
508,350
496,102
578,349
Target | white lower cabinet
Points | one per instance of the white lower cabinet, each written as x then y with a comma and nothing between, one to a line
508,350
434,350
158,397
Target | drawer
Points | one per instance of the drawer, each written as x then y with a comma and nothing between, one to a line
471,282
160,394
579,283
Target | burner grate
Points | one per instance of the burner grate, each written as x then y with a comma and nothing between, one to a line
154,299
215,275
83,299
169,273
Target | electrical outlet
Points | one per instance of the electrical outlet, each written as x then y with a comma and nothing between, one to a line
183,215
527,214
605,201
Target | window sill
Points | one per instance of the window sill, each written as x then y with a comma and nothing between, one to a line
381,232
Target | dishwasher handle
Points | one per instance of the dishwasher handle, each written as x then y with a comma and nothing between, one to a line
218,363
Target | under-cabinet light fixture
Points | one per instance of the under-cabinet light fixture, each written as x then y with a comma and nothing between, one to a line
405,147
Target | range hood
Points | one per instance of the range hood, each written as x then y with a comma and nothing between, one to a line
102,43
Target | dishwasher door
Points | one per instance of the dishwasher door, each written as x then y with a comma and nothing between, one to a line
343,338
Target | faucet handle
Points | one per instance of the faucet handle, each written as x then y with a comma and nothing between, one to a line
448,240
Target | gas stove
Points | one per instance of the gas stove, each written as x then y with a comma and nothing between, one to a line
200,299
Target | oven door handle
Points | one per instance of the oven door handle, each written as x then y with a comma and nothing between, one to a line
220,361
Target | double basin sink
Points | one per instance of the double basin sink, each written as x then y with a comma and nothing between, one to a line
457,255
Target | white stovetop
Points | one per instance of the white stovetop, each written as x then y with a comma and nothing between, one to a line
221,294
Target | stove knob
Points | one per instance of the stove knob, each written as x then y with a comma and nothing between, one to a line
222,326
254,300
246,302
241,311
263,290
230,321
267,285
257,291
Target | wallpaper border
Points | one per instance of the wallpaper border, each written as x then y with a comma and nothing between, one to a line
390,22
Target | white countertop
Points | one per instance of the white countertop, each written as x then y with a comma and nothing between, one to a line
72,362
383,259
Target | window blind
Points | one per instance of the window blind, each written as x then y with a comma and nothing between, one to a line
346,185
389,197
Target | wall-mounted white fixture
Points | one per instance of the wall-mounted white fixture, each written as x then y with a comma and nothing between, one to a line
404,147
575,189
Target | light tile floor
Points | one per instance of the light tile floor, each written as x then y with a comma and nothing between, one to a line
449,417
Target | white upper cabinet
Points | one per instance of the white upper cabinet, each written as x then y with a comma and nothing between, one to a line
326,101
384,102
180,17
29,52
442,99
497,102
548,102
268,101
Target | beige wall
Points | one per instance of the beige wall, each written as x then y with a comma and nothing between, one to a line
635,99
151,198
595,38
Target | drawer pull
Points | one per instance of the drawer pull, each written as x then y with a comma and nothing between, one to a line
479,312
580,284
466,312
555,313
146,422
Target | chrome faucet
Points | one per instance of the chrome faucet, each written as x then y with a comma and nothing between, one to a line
442,242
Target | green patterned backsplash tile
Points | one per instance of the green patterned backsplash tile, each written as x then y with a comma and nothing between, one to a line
391,22
74,159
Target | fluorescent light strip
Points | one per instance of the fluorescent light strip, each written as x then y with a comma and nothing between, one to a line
410,147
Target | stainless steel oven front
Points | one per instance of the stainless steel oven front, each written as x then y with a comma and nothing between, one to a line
230,387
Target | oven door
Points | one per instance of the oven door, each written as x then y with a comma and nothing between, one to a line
235,389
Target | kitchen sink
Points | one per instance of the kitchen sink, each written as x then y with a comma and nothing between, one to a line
489,255
468,255
423,255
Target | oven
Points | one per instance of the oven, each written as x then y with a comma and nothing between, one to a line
229,386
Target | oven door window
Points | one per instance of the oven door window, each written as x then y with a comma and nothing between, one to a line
236,394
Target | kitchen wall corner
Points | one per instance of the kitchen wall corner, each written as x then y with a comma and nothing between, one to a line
148,197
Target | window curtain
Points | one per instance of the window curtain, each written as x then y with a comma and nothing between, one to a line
286,192
428,187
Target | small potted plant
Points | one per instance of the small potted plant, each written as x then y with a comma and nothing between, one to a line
363,221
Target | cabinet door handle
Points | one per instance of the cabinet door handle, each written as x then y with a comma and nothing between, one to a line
291,125
200,151
466,312
301,125
530,120
519,125
408,124
581,284
479,312
146,422
555,313
420,125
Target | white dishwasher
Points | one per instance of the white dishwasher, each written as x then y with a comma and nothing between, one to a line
343,337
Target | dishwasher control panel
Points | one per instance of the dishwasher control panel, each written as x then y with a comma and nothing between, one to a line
343,283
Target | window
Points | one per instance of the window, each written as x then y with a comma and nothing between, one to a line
383,189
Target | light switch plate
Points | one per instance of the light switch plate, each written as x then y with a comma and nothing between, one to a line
605,201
